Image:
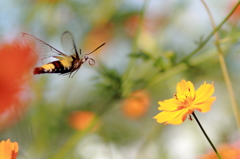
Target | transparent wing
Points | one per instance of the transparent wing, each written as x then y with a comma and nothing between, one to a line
41,48
68,43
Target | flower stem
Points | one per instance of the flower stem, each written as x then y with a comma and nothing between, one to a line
224,67
73,140
132,61
205,134
180,67
202,44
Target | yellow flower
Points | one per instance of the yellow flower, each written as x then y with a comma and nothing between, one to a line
175,110
8,149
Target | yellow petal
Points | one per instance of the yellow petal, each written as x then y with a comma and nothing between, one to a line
169,104
165,116
183,87
204,92
8,150
205,106
5,150
180,118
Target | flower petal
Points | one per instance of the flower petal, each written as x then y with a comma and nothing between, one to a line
180,118
204,92
169,105
8,149
185,86
205,106
166,116
176,110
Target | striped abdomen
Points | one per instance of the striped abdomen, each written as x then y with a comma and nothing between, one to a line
53,67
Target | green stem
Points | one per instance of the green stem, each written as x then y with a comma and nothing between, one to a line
211,34
205,134
134,47
158,78
74,139
224,68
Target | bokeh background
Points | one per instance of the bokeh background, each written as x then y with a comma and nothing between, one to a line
141,63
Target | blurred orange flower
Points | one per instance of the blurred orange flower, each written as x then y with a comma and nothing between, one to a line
225,151
235,16
8,149
48,0
17,62
81,120
137,104
175,110
97,36
132,22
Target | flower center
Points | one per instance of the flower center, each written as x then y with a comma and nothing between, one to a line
185,100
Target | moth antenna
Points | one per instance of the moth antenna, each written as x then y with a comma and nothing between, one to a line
95,49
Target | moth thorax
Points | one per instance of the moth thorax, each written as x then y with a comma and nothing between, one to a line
76,64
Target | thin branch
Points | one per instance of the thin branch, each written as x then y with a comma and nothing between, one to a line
224,68
211,34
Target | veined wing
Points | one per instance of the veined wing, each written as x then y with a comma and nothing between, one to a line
68,44
41,48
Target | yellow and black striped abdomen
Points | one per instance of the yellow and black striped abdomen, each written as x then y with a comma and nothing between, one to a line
53,67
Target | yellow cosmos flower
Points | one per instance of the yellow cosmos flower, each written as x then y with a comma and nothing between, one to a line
8,149
175,110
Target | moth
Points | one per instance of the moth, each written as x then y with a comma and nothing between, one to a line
60,63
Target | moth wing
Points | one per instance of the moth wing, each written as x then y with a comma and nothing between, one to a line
68,44
42,49
49,59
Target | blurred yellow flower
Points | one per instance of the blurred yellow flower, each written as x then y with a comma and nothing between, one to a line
175,110
8,149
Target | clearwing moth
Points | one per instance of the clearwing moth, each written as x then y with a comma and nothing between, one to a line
62,64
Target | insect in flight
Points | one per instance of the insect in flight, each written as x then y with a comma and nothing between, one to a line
61,63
